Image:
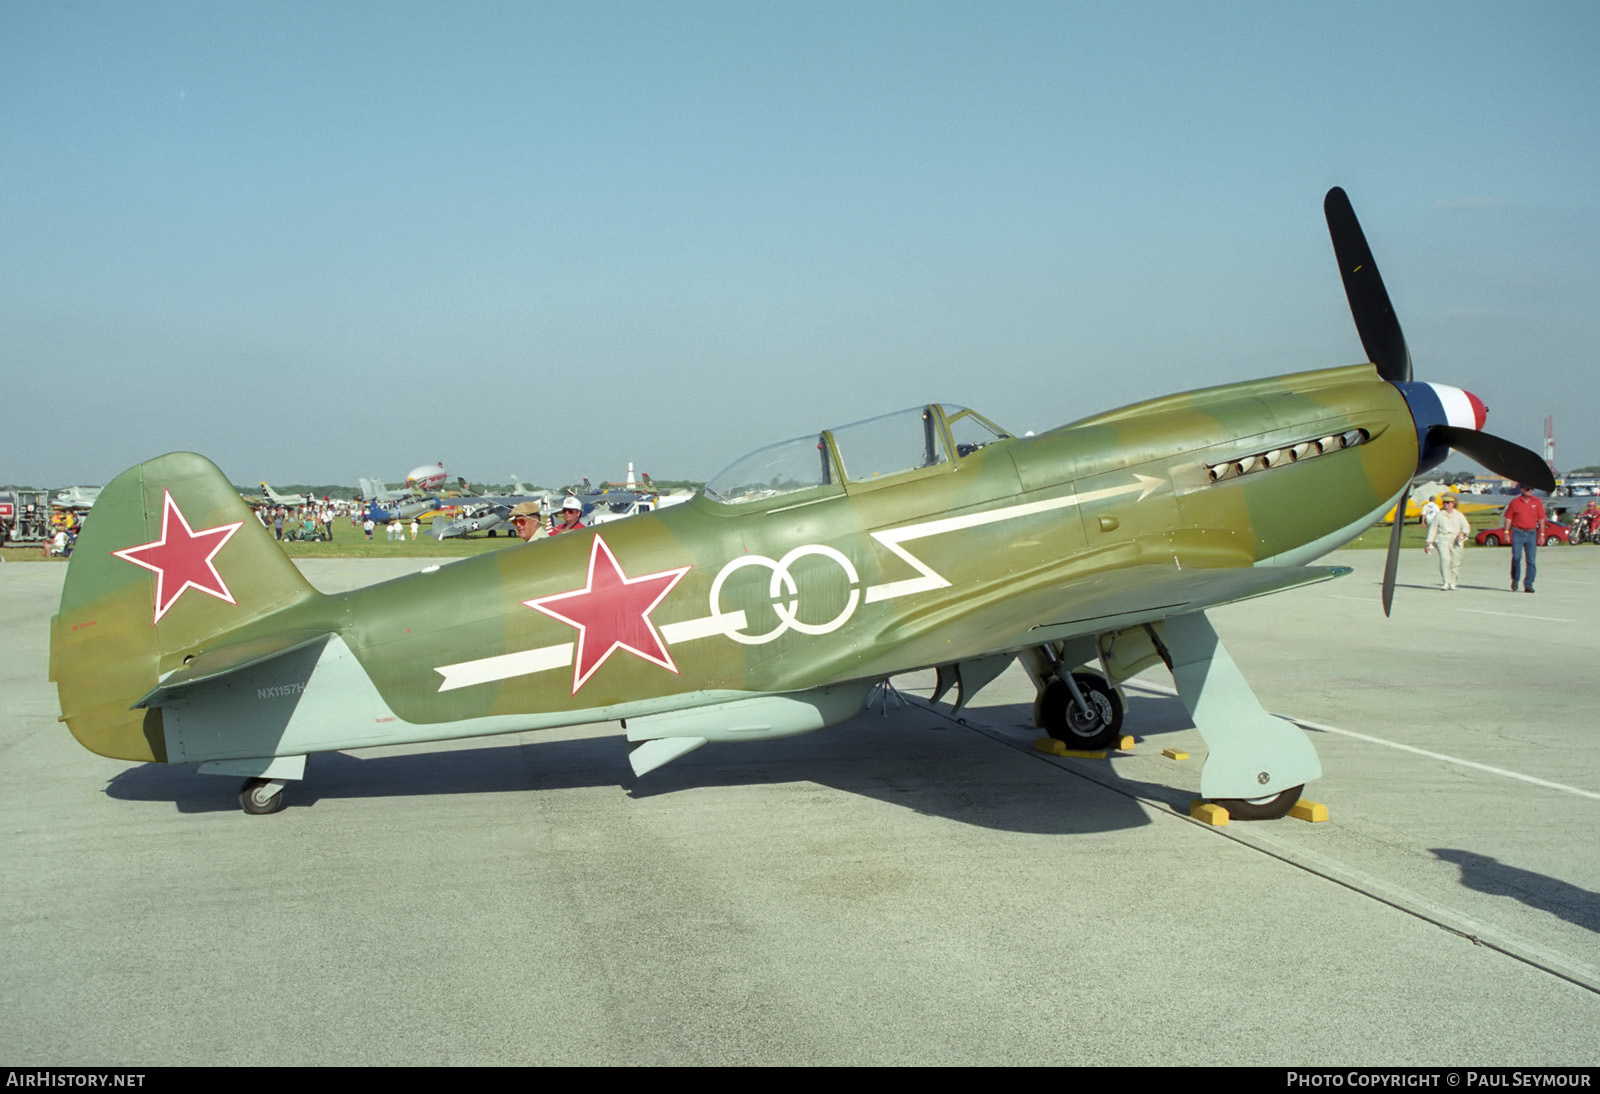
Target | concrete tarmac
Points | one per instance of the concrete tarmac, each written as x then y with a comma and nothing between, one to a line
904,889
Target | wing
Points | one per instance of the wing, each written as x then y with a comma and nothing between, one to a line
963,628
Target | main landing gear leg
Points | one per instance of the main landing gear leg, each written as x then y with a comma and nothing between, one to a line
1080,709
1258,763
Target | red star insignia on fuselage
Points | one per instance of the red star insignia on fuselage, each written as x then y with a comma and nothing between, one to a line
181,558
612,611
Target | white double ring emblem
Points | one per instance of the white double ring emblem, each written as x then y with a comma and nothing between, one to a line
786,602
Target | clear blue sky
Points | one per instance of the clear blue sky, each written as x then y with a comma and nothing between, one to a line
321,240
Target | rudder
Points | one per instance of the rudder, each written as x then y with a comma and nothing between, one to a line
170,560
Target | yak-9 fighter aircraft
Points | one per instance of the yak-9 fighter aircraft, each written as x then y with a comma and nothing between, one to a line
797,580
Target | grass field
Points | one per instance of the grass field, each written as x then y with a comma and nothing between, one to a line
351,542
1414,535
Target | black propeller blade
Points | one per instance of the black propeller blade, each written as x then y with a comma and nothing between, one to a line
1497,454
1386,347
1369,300
1392,563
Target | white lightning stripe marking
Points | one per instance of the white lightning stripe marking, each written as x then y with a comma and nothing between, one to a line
894,537
503,667
705,627
486,670
482,671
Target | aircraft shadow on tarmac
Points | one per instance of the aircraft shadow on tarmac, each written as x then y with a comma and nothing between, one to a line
1149,716
917,760
1561,899
1433,586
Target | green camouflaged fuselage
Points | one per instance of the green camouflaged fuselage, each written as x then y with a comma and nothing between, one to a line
1161,507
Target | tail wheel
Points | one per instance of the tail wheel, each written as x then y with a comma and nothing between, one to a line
1080,729
1269,808
259,797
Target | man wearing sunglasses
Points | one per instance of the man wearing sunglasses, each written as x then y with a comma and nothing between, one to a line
1524,519
1448,532
524,519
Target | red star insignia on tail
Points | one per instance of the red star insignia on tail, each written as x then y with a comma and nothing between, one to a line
612,611
181,558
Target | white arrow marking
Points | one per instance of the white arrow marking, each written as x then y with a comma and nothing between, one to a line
894,537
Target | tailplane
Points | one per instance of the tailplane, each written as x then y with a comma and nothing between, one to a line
170,563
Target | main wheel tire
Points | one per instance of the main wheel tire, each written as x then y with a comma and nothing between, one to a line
1075,728
1269,808
1491,540
254,800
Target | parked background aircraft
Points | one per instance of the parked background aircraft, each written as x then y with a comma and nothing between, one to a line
75,497
613,505
285,499
384,506
484,514
1424,492
800,578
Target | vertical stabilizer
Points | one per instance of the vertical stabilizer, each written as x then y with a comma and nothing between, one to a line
171,562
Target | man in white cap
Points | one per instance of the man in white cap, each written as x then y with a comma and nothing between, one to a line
571,517
1448,532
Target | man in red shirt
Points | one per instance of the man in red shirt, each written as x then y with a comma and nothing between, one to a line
1524,520
1589,520
571,517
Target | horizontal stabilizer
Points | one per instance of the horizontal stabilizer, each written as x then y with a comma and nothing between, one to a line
222,661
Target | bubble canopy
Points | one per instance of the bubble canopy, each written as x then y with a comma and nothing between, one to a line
889,446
